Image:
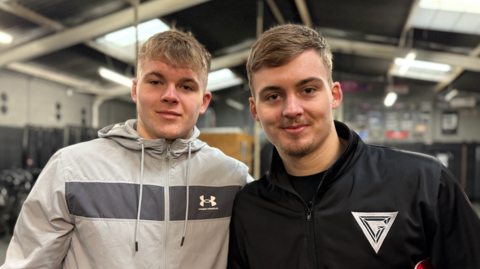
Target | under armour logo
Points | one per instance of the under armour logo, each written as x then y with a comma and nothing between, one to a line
375,226
208,201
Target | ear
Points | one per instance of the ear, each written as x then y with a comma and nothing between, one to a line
253,109
134,90
207,96
337,95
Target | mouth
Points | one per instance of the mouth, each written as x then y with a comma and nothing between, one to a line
168,114
295,129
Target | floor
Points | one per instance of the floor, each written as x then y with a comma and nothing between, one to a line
4,241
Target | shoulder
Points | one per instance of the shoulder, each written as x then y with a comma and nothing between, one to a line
254,189
89,146
402,158
99,148
218,158
215,163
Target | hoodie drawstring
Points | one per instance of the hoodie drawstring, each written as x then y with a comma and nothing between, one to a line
139,199
187,199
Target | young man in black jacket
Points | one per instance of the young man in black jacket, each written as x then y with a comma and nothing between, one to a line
329,200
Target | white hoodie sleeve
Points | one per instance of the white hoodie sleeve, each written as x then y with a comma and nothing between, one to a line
44,227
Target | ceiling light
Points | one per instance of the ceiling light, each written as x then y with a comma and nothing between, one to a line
390,99
421,74
146,29
468,6
115,77
235,104
424,65
5,38
451,94
221,79
408,61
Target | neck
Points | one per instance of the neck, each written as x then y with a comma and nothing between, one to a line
318,160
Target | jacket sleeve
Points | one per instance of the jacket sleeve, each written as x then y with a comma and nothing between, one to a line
44,227
236,253
456,241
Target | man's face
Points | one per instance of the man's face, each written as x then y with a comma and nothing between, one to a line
294,104
169,99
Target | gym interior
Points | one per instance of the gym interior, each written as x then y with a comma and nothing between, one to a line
409,72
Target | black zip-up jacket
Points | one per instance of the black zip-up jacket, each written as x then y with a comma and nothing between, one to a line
375,208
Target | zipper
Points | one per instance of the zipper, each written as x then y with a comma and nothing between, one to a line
311,233
167,204
310,223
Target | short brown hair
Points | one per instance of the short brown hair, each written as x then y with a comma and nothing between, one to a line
179,48
282,43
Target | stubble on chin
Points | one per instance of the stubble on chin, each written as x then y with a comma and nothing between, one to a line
295,148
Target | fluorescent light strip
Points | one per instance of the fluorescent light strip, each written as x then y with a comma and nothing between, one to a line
115,77
424,65
467,6
126,36
5,38
235,104
421,75
221,79
390,99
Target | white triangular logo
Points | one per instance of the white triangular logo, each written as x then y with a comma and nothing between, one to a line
375,226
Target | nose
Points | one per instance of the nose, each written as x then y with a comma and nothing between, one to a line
293,107
170,94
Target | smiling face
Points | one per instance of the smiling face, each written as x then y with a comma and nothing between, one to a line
169,99
294,104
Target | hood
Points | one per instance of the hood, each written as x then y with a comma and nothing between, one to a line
278,175
126,135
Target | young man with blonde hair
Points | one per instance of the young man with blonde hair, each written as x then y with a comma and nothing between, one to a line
148,193
329,200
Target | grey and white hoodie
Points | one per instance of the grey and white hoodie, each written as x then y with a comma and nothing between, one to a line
120,201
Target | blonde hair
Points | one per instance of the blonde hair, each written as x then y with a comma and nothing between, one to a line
180,49
281,44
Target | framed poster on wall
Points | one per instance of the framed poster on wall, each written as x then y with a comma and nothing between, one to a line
449,122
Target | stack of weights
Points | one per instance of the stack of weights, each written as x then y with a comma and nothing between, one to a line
15,184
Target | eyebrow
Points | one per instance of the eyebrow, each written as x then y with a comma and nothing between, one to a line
308,80
159,75
184,80
188,80
298,84
269,88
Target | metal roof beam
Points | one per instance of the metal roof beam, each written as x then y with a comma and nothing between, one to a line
30,15
230,60
78,84
388,52
276,12
34,17
408,24
92,29
458,71
304,14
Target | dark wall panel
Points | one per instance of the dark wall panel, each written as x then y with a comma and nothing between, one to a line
10,147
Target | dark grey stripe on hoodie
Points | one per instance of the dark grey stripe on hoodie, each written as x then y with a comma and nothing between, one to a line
120,201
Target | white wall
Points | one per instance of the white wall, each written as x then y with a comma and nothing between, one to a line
32,101
115,111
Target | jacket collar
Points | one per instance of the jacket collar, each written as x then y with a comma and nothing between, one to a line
126,135
278,175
